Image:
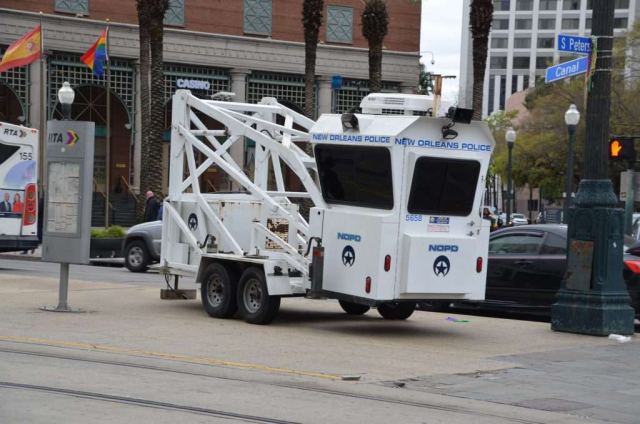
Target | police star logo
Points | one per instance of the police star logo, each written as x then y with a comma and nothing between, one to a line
193,222
348,256
441,266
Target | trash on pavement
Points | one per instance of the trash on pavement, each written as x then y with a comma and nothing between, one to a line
456,319
619,338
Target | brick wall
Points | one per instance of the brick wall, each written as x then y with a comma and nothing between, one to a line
226,17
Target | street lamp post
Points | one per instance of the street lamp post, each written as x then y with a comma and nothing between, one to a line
593,298
511,139
65,97
571,118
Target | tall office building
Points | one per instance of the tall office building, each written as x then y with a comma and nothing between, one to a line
523,43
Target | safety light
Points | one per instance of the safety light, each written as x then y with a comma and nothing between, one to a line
387,263
634,266
367,285
30,207
622,148
479,264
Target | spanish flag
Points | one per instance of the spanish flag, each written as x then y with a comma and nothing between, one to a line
94,57
23,51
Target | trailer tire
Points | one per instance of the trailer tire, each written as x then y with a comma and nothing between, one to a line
396,310
254,303
219,290
354,308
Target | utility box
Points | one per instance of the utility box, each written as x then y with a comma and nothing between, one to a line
69,175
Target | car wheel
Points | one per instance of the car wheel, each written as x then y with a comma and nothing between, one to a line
136,257
434,305
354,308
396,310
218,291
254,303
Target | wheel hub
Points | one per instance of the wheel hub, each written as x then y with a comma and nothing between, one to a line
135,256
215,290
252,296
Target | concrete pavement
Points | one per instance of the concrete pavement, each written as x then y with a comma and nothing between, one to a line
171,360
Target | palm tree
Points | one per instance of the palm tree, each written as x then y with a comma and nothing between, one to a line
311,23
375,26
144,22
157,10
480,19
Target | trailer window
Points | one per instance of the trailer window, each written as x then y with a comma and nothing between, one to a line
357,176
443,186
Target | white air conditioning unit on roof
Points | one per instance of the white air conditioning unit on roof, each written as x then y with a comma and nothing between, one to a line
402,104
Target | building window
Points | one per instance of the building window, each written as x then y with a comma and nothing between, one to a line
546,43
257,17
499,5
523,23
622,4
524,5
498,63
544,62
492,88
587,23
571,5
525,82
175,13
522,43
499,43
340,24
521,62
501,24
620,23
503,91
514,84
548,4
570,23
72,6
546,24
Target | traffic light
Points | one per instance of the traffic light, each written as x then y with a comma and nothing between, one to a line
622,148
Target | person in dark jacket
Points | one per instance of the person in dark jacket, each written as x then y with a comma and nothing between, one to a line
151,207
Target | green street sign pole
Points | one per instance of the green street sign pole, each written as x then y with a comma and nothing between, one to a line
593,299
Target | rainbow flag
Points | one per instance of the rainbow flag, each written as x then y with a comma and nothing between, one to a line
23,51
94,57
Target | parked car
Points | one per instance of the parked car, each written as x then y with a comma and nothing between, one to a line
141,246
526,266
519,219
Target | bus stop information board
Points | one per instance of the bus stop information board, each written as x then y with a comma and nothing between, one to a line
69,170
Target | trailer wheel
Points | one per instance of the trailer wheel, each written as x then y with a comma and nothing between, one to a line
396,310
354,308
218,292
254,303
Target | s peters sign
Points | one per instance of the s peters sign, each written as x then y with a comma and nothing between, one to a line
193,84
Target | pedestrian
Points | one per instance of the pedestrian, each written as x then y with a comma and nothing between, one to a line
161,209
489,217
151,207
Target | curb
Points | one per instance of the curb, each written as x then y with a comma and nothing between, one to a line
14,257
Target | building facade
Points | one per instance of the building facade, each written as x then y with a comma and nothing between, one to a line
253,48
523,43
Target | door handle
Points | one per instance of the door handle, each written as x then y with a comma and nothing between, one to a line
523,263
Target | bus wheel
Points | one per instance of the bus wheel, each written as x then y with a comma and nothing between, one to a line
396,310
254,303
354,308
218,292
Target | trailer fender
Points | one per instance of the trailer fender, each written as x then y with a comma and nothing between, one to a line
278,285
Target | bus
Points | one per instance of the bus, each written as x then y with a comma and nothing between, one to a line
18,188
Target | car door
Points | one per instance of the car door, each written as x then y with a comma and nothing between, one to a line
549,269
511,272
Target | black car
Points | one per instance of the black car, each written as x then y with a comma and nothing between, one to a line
526,267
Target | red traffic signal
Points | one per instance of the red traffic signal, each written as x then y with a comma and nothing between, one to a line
622,148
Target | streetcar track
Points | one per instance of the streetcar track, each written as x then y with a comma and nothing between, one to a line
144,403
338,393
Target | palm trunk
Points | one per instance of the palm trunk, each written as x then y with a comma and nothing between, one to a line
375,66
156,120
143,19
375,26
479,67
310,78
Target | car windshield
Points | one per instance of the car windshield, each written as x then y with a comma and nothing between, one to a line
519,216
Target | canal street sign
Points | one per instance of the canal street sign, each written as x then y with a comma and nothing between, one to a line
567,69
573,44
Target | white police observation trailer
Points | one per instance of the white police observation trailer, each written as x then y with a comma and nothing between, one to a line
396,216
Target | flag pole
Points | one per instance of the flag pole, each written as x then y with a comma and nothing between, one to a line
108,134
43,110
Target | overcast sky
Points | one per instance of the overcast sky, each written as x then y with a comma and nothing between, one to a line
441,33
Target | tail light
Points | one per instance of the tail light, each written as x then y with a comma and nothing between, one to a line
387,263
367,285
30,205
634,266
479,264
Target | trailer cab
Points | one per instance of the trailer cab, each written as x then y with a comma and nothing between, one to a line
403,214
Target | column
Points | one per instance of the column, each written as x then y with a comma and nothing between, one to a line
325,95
137,134
239,87
407,88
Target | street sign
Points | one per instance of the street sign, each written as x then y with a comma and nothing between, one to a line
336,82
573,44
624,181
567,69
